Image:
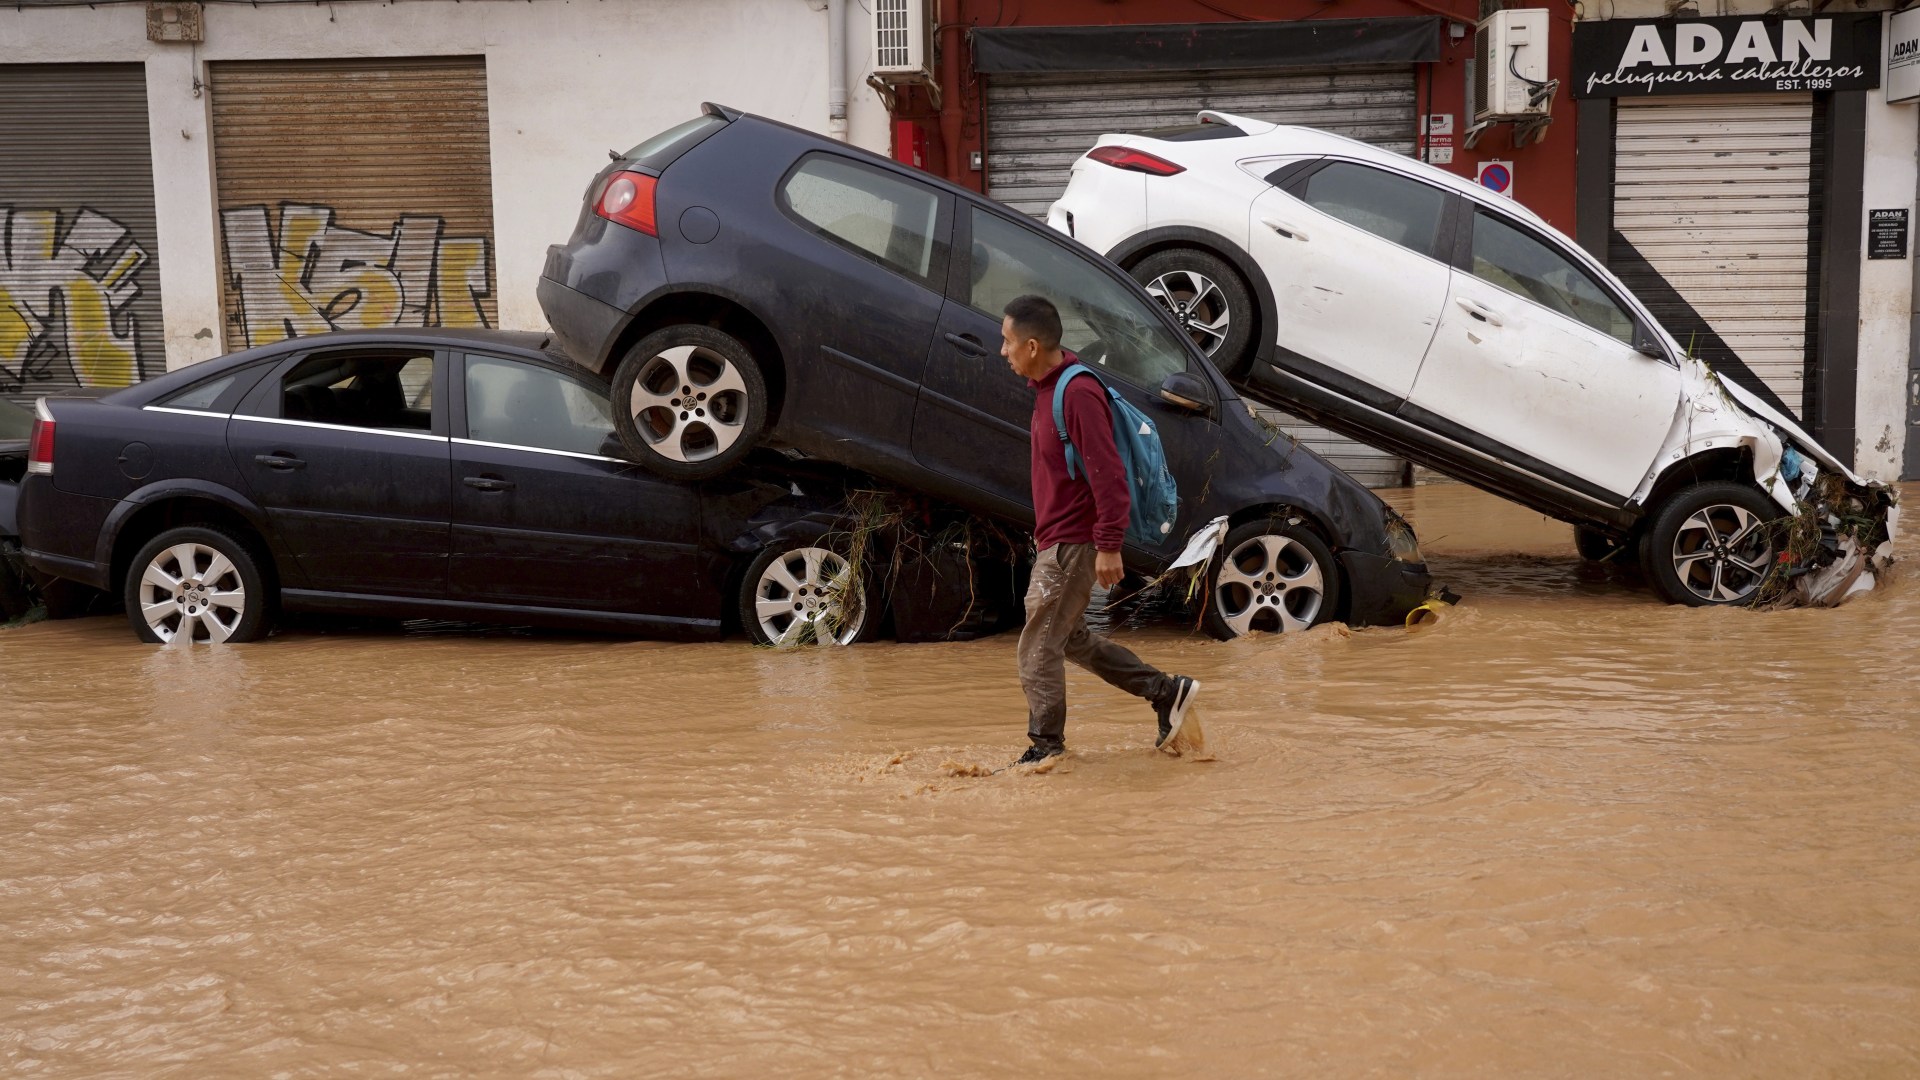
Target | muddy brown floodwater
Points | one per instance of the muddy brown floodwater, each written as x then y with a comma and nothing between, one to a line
1568,831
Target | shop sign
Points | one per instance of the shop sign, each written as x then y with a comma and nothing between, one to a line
1903,57
1887,234
1437,129
1732,54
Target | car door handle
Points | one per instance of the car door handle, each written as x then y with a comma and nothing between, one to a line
967,343
488,483
1285,229
1477,310
283,462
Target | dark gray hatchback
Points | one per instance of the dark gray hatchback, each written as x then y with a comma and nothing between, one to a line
743,282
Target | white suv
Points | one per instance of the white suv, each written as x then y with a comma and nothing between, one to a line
1420,313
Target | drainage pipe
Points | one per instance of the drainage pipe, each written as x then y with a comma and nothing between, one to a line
837,69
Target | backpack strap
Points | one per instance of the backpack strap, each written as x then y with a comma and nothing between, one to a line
1060,414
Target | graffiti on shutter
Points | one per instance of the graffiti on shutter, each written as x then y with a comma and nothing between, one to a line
307,274
68,279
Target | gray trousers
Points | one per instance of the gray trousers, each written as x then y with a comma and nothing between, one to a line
1057,631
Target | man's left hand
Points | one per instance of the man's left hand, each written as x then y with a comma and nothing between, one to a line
1107,568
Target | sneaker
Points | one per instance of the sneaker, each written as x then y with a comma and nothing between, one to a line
1035,756
1173,711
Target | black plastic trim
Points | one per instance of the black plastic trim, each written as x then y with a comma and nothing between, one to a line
314,600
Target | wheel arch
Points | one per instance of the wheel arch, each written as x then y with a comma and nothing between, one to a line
1129,252
1730,463
723,313
136,522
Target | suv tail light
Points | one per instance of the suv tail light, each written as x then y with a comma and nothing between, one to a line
1121,157
40,441
628,199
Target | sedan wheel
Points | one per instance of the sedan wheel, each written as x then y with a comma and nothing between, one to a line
1712,545
690,401
1206,298
196,584
801,595
1272,577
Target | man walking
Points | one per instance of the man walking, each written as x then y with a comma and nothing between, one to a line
1077,529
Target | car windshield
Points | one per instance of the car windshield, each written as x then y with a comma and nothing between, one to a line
15,422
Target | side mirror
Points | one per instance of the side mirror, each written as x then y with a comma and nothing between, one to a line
1650,346
1187,391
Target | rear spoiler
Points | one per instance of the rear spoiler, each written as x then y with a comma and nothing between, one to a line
721,111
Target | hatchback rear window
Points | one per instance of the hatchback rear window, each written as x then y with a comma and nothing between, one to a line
658,152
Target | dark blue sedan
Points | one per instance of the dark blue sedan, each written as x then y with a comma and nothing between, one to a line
436,474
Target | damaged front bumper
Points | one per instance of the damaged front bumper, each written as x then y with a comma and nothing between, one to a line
1382,590
1838,534
1837,538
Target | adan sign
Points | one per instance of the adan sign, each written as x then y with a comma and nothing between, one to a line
1903,57
1623,57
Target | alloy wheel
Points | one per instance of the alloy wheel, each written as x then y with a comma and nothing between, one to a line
1722,553
1197,305
808,595
689,403
1269,582
192,591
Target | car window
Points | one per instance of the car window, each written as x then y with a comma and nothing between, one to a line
1107,324
1393,208
1520,264
201,396
370,390
15,422
660,151
523,405
892,221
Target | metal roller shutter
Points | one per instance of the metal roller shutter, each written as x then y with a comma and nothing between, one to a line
79,255
1715,195
353,194
1038,125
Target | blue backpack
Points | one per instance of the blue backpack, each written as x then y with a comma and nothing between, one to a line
1156,498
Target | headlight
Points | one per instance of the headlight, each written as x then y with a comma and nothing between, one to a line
1401,543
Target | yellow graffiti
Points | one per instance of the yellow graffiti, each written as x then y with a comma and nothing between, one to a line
65,297
318,275
463,263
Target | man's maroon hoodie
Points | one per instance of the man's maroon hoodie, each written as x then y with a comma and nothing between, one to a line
1093,507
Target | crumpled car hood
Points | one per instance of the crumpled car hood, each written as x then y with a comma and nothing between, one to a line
1802,441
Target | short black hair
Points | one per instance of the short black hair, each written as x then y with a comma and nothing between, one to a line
1035,317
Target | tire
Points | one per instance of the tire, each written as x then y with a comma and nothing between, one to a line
807,575
1270,575
695,366
1598,547
222,597
1711,545
1207,298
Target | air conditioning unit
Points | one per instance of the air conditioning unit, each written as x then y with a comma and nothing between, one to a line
1510,55
900,39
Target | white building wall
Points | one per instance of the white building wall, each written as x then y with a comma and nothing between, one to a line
1886,289
567,80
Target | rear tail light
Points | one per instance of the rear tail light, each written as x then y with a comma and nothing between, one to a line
1121,157
628,199
40,441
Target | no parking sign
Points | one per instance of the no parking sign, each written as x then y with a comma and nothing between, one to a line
1497,177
